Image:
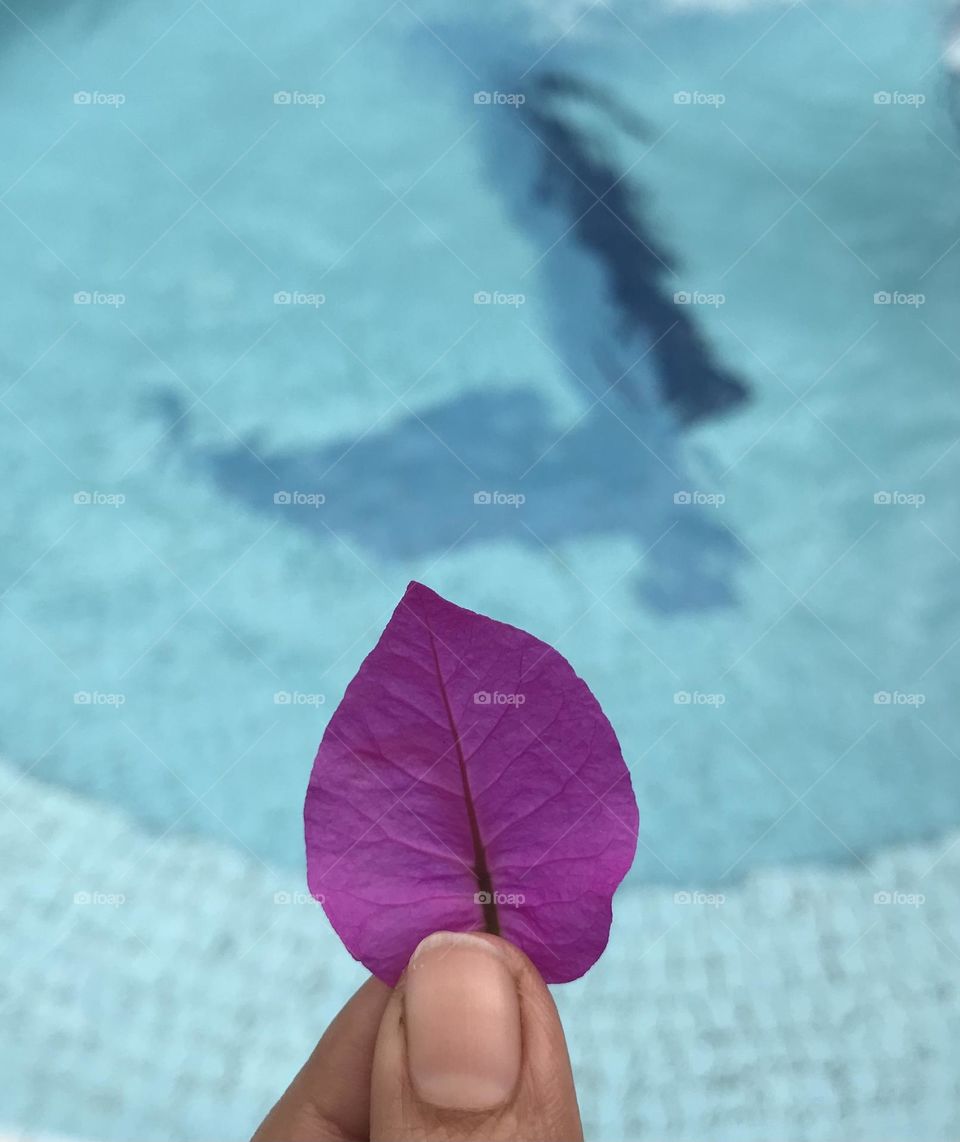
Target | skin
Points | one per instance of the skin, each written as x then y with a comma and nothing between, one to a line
360,1083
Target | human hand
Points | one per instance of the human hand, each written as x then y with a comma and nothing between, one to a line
467,1045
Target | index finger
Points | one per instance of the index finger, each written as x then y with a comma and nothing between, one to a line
329,1100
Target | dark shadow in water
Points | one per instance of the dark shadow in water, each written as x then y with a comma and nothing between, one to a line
582,197
409,492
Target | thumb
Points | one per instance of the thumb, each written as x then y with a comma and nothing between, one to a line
470,1046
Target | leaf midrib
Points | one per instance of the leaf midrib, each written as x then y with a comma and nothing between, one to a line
481,870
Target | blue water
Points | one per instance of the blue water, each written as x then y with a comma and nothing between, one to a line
784,608
399,397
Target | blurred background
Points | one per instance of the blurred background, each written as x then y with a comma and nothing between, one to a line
632,324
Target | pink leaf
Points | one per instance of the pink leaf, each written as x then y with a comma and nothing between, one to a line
468,781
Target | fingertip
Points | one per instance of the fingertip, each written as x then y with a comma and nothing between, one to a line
457,981
471,1045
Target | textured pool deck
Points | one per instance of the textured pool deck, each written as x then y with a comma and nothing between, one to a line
176,996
